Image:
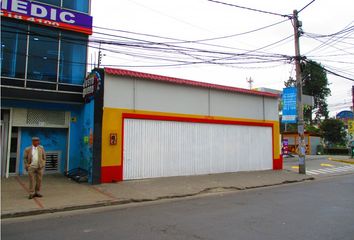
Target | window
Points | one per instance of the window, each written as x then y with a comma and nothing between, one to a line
45,60
43,54
78,5
51,2
13,49
72,58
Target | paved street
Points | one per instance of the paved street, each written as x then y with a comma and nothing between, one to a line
321,166
321,209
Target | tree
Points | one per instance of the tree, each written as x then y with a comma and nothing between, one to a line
333,131
315,83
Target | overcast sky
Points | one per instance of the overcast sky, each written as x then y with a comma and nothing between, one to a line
201,19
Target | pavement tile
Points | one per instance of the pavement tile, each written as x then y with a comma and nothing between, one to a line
61,193
14,197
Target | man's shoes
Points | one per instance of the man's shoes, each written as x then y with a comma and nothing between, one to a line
38,195
30,196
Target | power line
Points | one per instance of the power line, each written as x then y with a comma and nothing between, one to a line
251,9
199,40
154,57
334,73
168,47
163,13
306,6
347,30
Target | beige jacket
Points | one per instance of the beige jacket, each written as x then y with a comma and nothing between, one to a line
27,157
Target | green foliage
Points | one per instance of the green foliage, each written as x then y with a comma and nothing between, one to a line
290,127
290,83
313,129
315,84
336,151
333,132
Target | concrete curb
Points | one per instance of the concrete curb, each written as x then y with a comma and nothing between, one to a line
127,201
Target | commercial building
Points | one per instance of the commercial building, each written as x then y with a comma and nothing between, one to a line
312,142
150,126
118,124
43,66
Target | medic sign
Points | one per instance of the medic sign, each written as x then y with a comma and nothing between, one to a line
46,15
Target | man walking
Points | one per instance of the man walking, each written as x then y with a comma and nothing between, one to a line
34,158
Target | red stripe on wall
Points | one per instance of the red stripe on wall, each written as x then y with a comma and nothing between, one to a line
110,174
45,22
196,120
278,163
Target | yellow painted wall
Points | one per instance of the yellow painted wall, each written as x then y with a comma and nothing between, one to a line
112,123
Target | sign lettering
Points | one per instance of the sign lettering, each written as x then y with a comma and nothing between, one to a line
289,105
91,85
46,15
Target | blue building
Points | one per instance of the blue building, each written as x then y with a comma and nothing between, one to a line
43,66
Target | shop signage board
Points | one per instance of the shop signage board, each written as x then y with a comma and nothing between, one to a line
285,147
46,15
351,127
91,85
289,105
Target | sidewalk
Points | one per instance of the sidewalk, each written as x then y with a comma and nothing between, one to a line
62,194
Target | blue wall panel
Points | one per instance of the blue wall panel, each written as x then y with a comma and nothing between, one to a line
52,139
81,126
87,131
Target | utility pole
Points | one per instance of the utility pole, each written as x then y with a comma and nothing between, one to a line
99,56
353,98
250,82
300,111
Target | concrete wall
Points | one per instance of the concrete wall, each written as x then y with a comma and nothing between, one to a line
315,141
132,93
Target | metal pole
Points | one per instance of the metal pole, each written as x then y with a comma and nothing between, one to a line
353,98
99,56
300,110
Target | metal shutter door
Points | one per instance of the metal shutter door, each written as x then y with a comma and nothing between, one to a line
166,148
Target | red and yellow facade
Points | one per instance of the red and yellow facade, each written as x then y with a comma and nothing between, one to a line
112,159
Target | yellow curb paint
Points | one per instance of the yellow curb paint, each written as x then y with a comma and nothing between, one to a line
344,161
326,165
295,167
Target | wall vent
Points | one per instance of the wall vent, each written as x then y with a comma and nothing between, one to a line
52,163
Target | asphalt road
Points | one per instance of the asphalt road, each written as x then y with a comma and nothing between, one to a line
321,209
320,166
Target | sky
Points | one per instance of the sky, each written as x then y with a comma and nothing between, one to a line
201,19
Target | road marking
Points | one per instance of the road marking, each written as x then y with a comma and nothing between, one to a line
342,169
330,170
295,167
326,165
312,173
323,170
317,171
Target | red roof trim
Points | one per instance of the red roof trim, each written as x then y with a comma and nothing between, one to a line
129,73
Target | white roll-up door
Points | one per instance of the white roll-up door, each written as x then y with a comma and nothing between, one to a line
167,148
